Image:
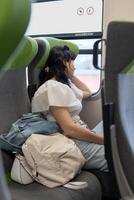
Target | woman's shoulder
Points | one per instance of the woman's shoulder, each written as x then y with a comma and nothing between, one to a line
52,85
53,93
52,82
56,84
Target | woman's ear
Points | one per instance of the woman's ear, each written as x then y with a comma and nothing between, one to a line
65,62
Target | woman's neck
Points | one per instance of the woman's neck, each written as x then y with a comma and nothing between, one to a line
53,78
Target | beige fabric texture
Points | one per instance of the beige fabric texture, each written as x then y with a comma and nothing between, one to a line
54,159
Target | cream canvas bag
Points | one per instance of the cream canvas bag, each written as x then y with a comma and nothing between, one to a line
54,159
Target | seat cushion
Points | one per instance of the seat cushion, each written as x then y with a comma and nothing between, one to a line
108,185
36,191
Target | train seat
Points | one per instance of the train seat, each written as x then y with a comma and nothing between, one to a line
14,19
14,102
118,103
36,64
14,76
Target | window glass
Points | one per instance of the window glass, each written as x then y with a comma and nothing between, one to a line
86,72
85,43
84,65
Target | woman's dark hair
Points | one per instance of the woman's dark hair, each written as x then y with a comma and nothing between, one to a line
55,67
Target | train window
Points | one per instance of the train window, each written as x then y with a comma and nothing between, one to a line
82,24
84,64
87,73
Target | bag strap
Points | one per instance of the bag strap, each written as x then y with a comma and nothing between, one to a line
34,169
76,184
31,172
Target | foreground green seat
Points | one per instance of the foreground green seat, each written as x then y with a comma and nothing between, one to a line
14,99
14,18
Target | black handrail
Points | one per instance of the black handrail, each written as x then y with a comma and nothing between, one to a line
96,52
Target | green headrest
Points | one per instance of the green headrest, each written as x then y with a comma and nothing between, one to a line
49,43
54,42
24,54
14,18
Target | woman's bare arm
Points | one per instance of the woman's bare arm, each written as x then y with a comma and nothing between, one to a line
79,84
72,129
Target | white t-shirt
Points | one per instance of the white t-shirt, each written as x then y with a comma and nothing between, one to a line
54,93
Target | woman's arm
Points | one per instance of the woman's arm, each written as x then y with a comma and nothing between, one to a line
79,84
72,129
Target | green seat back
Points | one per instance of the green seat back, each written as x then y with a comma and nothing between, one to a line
44,49
24,54
54,42
14,18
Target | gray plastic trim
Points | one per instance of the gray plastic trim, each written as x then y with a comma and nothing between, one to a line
4,192
125,190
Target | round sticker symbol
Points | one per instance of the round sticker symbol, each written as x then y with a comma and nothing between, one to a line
80,11
90,10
